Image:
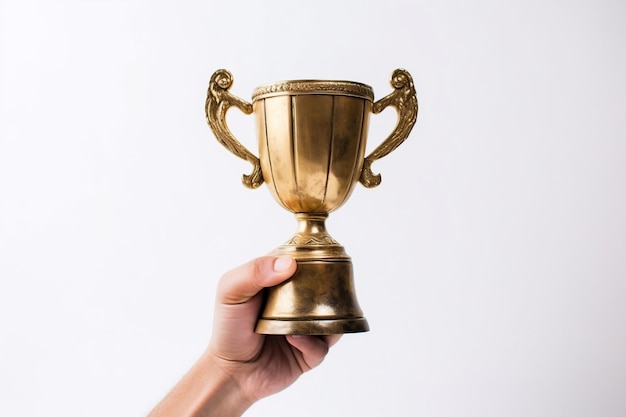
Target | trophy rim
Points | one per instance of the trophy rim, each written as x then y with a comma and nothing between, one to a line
314,87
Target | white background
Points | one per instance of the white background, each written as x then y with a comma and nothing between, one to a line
490,263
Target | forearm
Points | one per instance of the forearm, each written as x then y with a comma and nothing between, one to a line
205,391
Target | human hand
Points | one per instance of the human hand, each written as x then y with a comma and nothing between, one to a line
239,367
261,365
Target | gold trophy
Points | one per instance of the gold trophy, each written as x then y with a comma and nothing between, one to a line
312,138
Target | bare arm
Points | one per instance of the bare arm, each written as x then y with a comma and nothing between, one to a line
239,366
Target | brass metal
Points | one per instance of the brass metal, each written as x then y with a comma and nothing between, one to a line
312,137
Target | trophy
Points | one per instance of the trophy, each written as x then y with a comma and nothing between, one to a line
312,140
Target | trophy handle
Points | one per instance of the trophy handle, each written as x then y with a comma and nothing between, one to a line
218,101
404,99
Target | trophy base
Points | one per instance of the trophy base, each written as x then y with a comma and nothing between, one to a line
319,299
311,327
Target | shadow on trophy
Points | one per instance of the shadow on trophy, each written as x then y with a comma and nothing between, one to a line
312,138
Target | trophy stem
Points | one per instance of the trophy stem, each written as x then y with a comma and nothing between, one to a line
312,226
320,298
312,240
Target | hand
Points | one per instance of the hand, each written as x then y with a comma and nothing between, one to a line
261,365
239,366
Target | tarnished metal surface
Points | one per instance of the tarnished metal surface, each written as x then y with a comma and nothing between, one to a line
312,136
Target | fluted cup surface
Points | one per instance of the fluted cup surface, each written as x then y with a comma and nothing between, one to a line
312,136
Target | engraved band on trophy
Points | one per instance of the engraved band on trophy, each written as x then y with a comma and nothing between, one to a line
312,139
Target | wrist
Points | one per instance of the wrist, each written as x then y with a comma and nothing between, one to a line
207,390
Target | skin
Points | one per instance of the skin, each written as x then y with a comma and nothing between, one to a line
239,367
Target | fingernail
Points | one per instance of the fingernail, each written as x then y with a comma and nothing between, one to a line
282,263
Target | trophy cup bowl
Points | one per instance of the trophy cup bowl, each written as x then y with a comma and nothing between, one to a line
312,137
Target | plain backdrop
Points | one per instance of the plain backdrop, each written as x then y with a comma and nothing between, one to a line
490,262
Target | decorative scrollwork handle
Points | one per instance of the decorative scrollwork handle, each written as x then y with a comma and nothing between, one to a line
404,99
218,101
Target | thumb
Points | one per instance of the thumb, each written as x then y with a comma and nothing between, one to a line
244,282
